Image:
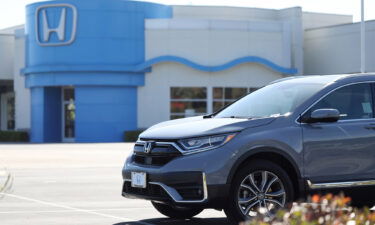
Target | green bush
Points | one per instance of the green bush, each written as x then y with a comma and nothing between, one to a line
14,136
132,135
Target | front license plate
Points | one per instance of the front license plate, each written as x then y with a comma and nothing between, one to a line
138,180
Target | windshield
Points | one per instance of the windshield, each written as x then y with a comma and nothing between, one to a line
273,100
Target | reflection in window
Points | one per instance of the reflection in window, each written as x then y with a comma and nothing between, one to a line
223,96
69,113
10,113
188,101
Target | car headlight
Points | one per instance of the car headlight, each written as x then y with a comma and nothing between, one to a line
205,143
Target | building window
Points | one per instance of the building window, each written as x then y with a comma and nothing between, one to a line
7,112
223,96
10,113
68,114
188,101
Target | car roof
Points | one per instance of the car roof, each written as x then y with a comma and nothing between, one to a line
326,79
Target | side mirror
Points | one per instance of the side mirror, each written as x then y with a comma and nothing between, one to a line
324,115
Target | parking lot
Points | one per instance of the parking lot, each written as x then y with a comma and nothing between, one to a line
75,184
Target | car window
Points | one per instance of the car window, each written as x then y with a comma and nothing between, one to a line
353,102
273,100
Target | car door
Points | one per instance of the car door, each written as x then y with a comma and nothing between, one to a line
344,150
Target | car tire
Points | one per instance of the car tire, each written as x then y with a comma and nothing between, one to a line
176,212
253,174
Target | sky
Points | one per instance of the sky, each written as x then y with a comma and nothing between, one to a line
12,12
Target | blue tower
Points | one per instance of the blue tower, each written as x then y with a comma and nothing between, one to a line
81,59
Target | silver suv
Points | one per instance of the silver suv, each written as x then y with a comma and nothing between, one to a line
267,149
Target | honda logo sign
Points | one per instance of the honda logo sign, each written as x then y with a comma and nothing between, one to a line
60,19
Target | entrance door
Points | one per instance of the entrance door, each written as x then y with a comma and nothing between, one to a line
68,114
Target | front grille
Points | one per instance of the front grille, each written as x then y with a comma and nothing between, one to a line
159,155
152,160
152,191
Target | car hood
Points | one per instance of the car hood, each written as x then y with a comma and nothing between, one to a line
198,126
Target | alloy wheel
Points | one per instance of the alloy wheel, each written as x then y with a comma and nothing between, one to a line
261,193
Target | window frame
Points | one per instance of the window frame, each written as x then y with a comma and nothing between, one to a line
372,88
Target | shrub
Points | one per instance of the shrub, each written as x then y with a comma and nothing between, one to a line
327,210
14,136
132,135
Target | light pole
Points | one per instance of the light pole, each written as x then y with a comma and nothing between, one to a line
363,38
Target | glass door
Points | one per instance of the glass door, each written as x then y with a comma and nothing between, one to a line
68,114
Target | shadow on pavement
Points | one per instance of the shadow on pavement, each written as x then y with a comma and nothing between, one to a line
166,221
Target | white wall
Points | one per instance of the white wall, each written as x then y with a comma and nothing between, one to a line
310,19
293,16
335,50
290,17
315,20
6,56
10,30
22,94
214,42
224,13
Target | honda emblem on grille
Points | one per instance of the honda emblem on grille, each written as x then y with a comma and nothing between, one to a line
148,146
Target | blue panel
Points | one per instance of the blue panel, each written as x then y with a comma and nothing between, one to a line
45,114
37,115
103,114
97,79
52,114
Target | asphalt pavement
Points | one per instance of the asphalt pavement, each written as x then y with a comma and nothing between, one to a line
74,184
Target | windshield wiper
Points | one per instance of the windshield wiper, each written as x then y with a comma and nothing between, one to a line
232,117
238,117
208,116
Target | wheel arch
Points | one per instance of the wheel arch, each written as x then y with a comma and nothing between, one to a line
278,157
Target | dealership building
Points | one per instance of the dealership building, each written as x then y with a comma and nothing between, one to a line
87,71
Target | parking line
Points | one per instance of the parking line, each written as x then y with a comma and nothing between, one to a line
74,209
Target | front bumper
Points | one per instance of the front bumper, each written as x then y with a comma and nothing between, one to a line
180,179
178,188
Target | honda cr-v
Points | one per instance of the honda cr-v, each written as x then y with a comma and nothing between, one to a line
267,149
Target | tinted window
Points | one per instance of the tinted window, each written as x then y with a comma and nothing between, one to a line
353,102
